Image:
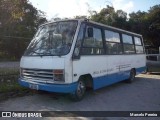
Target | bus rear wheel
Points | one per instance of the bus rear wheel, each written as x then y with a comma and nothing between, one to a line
132,76
80,91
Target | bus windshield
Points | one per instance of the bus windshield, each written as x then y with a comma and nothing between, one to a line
54,39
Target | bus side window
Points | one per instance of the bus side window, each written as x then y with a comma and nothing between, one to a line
138,45
128,44
113,42
92,44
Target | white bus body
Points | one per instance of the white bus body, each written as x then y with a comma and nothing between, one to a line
98,55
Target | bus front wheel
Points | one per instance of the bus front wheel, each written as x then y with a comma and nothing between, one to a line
80,91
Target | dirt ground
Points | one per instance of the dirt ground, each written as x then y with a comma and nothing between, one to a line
142,95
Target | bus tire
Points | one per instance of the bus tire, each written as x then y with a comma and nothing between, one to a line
132,76
80,91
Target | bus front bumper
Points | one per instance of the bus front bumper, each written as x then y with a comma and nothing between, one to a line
58,88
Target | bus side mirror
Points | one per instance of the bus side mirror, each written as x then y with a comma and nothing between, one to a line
76,54
90,31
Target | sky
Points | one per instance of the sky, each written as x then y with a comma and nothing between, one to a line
71,8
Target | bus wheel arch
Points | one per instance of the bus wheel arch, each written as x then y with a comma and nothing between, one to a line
88,80
132,75
84,82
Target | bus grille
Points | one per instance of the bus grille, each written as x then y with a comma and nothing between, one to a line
37,75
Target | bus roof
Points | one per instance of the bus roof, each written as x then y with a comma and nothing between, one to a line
90,21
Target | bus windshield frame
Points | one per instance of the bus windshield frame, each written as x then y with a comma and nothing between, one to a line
53,39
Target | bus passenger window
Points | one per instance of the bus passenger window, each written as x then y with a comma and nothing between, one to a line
92,42
138,45
113,42
128,44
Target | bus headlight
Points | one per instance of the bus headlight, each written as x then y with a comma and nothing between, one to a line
58,75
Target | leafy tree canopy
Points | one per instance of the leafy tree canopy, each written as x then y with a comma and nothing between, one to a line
145,23
18,22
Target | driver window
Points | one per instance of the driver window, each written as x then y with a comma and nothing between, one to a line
79,40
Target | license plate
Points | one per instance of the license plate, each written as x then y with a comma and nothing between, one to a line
33,86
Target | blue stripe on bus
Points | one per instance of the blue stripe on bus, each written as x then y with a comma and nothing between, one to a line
140,70
59,88
98,82
107,80
103,81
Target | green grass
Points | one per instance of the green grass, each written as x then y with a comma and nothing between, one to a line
8,71
9,84
15,87
8,79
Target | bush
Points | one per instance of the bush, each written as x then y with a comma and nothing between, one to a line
9,86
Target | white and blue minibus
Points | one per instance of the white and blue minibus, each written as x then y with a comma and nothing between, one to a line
69,56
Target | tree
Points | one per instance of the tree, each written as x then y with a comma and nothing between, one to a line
105,16
154,25
138,23
111,17
145,23
120,20
18,23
